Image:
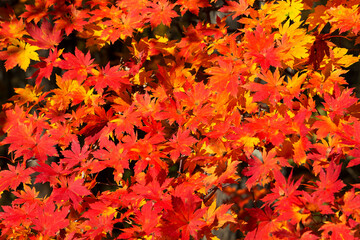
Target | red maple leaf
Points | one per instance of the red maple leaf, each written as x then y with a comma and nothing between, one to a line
272,89
50,173
76,155
161,12
69,18
260,171
236,9
71,189
16,215
44,37
181,143
78,65
192,6
328,183
262,48
154,186
337,231
147,222
337,104
113,156
45,67
29,141
37,11
262,224
318,50
283,189
50,219
16,175
185,219
27,196
108,76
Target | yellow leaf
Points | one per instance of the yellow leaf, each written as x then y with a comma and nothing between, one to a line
20,53
342,58
28,94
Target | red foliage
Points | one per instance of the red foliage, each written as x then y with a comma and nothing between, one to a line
152,119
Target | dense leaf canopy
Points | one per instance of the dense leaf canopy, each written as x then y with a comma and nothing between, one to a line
159,108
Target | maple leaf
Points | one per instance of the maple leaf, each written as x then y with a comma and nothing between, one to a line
351,139
236,9
290,8
37,11
113,156
107,76
49,221
45,67
317,18
161,11
328,183
12,29
318,50
266,224
219,216
171,111
126,120
71,189
27,95
185,219
28,141
145,104
27,196
78,65
228,70
70,18
130,22
19,53
261,170
44,146
294,42
283,190
154,185
264,128
197,95
291,231
70,93
337,105
148,219
271,89
45,37
149,154
294,84
341,58
261,47
350,203
344,18
16,216
181,144
12,178
50,173
325,126
336,231
192,5
224,172
76,155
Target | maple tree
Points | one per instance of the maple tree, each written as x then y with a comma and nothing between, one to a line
139,145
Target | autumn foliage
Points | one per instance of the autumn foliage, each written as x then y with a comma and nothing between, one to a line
141,144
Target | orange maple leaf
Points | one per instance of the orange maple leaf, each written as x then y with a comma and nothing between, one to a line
261,171
236,9
19,53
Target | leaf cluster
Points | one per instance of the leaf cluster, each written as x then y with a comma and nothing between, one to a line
141,147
